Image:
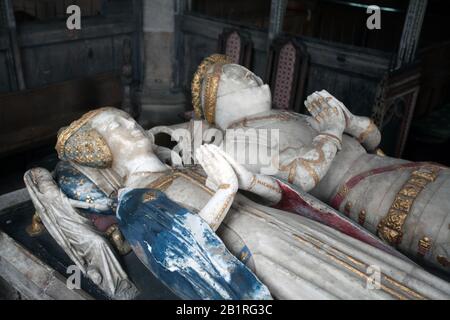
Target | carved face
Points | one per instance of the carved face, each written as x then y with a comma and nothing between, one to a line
105,138
240,93
238,78
126,139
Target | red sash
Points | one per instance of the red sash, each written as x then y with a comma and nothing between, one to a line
344,189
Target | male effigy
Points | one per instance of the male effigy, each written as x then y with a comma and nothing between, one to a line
332,155
168,216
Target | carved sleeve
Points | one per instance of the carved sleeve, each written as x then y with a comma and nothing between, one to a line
266,187
310,164
217,207
367,133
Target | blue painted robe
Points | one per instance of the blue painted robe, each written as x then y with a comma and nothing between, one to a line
182,250
77,186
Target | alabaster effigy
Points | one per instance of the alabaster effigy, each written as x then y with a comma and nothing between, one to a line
331,154
172,218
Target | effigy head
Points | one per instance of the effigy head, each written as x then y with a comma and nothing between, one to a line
102,136
221,89
81,143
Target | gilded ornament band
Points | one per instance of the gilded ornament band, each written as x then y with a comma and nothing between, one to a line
281,116
196,84
268,186
212,81
390,228
312,173
164,181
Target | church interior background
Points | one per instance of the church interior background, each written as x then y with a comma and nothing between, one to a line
141,55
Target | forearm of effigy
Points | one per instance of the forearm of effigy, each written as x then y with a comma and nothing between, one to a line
366,132
266,187
217,207
311,166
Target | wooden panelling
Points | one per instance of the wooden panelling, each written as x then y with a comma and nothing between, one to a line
58,62
435,87
50,53
56,32
32,117
4,39
54,9
63,70
245,12
211,28
5,83
356,92
200,40
350,73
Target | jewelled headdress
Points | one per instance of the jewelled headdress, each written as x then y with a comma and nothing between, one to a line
211,81
83,144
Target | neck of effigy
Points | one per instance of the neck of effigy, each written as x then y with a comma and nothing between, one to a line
143,179
144,164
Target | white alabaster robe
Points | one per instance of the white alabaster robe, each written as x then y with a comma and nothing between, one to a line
297,258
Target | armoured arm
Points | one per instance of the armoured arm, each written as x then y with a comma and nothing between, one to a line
365,131
310,164
259,184
221,175
305,167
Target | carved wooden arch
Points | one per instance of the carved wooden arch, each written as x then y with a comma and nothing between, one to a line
286,70
395,104
236,44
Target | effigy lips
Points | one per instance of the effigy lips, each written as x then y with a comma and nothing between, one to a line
179,248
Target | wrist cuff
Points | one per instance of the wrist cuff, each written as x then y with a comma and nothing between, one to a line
332,138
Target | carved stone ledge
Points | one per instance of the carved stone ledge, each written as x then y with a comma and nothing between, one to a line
32,278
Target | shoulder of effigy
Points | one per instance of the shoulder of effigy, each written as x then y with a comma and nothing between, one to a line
68,176
73,182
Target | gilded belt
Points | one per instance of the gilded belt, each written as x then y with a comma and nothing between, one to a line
390,227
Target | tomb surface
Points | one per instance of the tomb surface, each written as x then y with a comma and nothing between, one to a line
37,267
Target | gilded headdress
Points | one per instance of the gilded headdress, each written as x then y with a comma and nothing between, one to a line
211,83
84,145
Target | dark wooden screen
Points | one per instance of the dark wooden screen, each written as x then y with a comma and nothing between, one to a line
394,109
2,16
50,75
53,9
237,45
287,66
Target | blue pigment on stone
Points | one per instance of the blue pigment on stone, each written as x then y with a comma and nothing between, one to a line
180,248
